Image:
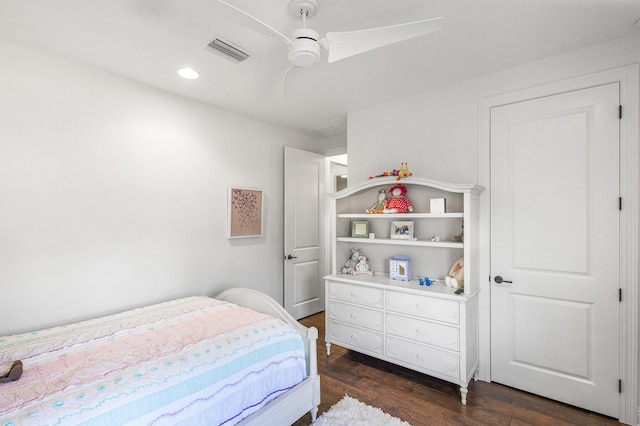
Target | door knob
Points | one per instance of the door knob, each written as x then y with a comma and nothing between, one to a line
498,279
289,257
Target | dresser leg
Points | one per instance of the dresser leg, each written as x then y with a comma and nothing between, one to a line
328,348
463,394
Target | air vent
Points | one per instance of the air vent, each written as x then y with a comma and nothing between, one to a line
227,50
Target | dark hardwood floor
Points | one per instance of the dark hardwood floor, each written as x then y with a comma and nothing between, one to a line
422,400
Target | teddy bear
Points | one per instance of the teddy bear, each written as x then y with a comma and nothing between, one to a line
399,203
350,265
455,279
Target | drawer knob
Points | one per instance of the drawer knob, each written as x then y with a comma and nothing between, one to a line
353,294
418,306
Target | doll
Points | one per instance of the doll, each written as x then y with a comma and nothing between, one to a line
380,205
398,203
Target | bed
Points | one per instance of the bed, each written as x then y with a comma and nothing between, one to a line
238,358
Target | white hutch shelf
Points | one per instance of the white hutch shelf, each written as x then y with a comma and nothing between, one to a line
430,329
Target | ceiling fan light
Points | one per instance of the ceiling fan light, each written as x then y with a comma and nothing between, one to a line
304,53
188,73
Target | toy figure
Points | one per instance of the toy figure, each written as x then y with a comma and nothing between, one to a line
356,264
404,171
399,203
426,281
362,267
394,172
460,237
380,205
350,265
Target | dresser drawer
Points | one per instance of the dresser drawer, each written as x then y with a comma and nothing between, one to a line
356,315
425,307
423,357
372,297
355,337
423,331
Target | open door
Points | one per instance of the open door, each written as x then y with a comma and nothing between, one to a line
304,229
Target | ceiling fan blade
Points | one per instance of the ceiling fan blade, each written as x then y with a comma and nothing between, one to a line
254,23
345,44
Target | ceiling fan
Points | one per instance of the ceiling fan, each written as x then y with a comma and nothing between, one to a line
305,44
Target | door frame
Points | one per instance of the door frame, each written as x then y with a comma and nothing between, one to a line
333,163
628,77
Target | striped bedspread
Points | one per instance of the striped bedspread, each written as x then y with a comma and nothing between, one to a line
191,361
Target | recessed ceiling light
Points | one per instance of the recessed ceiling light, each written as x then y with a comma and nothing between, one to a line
188,73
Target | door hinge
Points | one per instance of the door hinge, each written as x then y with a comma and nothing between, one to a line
620,203
620,295
619,385
620,112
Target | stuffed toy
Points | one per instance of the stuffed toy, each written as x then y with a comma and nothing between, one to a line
398,203
350,265
459,238
404,171
380,205
362,267
394,172
455,279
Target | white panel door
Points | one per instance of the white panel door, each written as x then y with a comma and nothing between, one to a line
555,244
304,225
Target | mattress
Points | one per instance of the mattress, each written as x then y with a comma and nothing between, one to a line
189,361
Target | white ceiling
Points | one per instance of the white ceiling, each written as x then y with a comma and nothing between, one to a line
148,40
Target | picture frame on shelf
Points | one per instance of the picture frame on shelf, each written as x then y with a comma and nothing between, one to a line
245,212
360,228
438,205
401,229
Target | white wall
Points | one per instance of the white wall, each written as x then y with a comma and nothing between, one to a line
113,194
438,131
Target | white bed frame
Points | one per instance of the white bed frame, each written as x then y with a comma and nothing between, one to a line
304,397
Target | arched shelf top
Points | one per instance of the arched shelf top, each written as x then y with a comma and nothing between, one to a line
392,180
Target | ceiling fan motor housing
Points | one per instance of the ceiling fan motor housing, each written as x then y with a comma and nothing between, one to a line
305,51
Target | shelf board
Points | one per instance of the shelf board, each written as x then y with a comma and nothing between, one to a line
399,242
404,216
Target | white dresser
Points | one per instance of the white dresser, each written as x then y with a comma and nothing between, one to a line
430,329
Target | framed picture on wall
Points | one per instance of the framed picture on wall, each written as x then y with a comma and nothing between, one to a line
401,230
244,217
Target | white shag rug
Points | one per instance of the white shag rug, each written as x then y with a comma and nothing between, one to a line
351,412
